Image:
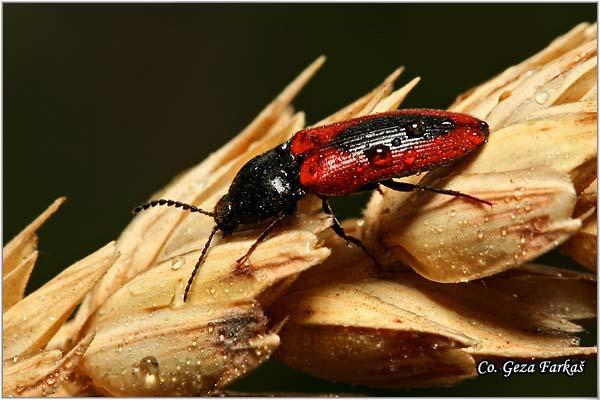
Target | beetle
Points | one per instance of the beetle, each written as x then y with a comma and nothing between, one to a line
343,158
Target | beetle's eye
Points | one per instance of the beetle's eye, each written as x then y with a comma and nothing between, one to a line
415,129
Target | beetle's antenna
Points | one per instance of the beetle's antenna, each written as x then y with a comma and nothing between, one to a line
200,259
172,203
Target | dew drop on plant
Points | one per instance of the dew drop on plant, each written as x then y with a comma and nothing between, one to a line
541,97
177,263
50,380
149,365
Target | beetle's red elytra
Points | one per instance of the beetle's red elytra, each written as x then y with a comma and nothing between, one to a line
342,158
337,160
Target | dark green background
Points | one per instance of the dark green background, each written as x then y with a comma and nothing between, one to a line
106,103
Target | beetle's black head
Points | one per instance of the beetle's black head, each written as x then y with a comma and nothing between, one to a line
225,215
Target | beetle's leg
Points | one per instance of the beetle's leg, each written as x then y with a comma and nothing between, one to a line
339,229
408,187
244,259
199,262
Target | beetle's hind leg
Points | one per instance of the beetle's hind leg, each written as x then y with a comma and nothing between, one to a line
240,263
409,187
339,229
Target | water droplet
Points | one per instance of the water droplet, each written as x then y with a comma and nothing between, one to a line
16,359
541,97
452,212
396,142
410,157
50,380
149,365
479,235
177,263
416,129
120,348
379,156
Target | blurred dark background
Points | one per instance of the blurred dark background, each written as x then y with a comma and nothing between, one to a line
105,103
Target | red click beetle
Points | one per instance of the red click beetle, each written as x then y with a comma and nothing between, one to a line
337,160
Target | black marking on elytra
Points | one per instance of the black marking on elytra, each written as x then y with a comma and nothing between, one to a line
393,131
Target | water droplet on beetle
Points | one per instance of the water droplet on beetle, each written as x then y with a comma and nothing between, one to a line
410,157
379,156
415,129
396,142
